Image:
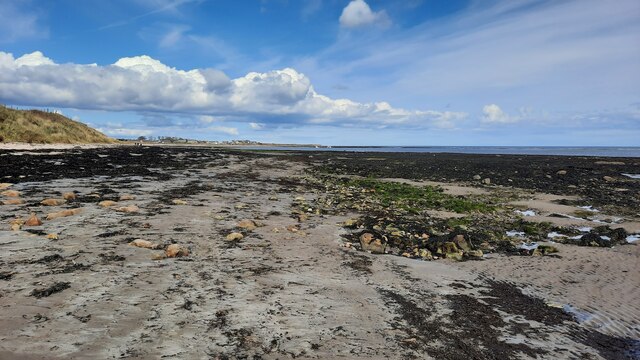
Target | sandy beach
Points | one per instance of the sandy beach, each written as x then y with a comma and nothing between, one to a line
268,265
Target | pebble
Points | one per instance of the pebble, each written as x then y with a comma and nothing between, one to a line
10,193
176,250
486,181
608,179
234,236
128,209
126,197
53,202
178,202
247,224
107,203
63,213
561,172
52,236
69,196
13,202
5,185
141,243
33,221
369,242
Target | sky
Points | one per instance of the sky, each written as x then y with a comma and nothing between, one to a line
332,72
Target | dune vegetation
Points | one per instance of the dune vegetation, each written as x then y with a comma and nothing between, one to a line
41,127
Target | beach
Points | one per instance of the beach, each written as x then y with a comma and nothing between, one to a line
208,253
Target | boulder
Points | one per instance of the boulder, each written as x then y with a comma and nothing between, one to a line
176,250
128,209
13,202
372,243
33,221
107,203
247,224
63,213
10,193
69,196
52,202
234,236
146,244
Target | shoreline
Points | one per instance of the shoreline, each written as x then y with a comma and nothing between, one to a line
298,260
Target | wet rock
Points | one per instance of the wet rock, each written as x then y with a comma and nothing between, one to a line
178,202
176,250
234,236
33,221
52,202
486,181
128,209
247,224
10,193
125,197
618,236
546,249
561,172
145,244
592,239
69,196
63,213
48,291
13,202
372,243
107,203
474,254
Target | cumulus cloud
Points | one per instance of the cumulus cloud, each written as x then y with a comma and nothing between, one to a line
493,114
145,84
125,132
358,14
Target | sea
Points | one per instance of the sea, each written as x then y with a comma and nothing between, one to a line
614,151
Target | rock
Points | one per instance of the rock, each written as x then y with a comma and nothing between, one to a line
10,193
33,221
158,256
369,242
53,202
178,202
126,197
69,196
303,217
63,213
592,239
13,202
146,244
477,177
247,224
16,227
234,236
128,209
457,256
474,254
176,250
425,254
608,179
292,228
107,203
351,223
486,181
561,172
618,236
52,236
5,185
547,249
461,243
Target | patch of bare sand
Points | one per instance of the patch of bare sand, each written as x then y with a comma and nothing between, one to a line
601,284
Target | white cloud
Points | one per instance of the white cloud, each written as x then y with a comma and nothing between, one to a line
125,132
256,126
223,129
17,23
145,84
493,114
358,13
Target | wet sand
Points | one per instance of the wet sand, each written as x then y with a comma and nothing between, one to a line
290,288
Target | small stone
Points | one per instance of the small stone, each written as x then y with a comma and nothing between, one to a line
273,198
608,179
407,255
126,197
486,181
247,224
107,203
128,209
13,202
351,223
369,242
303,217
461,243
69,196
53,202
299,199
477,177
475,254
16,227
146,244
561,172
52,236
5,185
292,228
63,213
33,221
425,254
234,236
10,193
176,250
178,202
158,256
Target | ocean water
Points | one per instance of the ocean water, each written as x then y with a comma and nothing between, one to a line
506,150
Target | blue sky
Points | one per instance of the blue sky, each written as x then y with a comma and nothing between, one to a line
335,72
